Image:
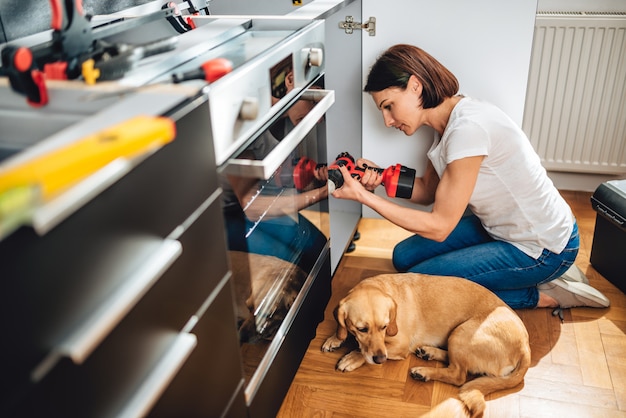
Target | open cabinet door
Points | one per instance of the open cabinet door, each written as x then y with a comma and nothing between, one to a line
485,43
343,75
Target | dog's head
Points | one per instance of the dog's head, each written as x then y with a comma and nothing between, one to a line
369,314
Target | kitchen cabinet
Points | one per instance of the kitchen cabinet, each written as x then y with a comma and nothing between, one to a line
343,121
119,304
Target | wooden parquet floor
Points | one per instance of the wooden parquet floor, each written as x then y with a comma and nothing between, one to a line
578,366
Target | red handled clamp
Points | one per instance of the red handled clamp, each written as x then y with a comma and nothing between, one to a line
72,40
197,7
77,50
17,64
178,22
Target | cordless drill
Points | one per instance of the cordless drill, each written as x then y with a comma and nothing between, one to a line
397,179
300,173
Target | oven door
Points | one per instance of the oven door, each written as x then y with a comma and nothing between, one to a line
276,216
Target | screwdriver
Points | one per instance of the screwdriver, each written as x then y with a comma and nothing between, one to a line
211,70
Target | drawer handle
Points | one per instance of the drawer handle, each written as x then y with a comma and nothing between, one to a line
160,377
265,168
87,336
49,215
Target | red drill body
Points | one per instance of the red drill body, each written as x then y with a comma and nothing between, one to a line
397,179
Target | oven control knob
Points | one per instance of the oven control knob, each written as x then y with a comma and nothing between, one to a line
249,108
315,57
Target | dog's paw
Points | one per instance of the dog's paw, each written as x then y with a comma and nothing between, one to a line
418,373
431,353
422,353
351,361
331,344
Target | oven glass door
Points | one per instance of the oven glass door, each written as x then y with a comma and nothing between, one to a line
276,215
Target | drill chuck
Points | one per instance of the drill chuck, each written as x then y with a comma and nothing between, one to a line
335,178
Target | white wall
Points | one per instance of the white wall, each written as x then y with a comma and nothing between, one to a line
487,47
581,5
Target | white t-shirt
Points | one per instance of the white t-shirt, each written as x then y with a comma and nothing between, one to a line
514,198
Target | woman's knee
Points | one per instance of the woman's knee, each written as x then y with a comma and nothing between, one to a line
398,261
408,253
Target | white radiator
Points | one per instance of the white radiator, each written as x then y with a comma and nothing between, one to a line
575,111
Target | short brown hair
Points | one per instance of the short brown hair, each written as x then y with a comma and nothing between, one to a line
394,67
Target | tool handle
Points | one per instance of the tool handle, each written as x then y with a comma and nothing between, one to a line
64,11
72,37
211,71
17,64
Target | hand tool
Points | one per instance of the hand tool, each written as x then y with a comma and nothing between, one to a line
299,174
77,49
182,23
211,70
178,22
397,179
53,171
17,65
25,186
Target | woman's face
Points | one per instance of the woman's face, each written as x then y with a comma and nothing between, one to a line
401,109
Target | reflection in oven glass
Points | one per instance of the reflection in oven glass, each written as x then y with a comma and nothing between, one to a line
276,229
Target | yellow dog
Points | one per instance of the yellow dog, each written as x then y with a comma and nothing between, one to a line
439,318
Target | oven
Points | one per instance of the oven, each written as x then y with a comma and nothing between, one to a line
275,208
277,227
234,215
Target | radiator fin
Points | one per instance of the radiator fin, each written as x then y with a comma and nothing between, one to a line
575,113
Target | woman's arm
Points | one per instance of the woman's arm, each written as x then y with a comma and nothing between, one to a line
424,187
257,206
451,196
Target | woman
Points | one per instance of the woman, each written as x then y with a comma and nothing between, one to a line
521,235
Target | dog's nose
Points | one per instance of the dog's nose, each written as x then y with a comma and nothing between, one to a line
380,359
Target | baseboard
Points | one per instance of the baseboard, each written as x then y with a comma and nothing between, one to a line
582,182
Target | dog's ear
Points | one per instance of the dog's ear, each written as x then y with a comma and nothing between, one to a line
340,316
392,327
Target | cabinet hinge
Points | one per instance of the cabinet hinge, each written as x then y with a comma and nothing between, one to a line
349,25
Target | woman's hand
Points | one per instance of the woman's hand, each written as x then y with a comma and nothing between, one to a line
321,173
370,179
351,188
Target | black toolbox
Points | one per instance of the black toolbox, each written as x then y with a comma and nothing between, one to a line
608,252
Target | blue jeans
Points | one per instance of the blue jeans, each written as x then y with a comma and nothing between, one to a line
296,241
471,253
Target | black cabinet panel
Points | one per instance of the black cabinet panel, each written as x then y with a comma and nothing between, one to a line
54,283
211,376
107,381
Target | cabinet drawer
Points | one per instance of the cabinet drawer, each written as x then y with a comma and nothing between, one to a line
102,379
211,379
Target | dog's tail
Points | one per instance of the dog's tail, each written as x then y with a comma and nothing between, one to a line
473,392
450,408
